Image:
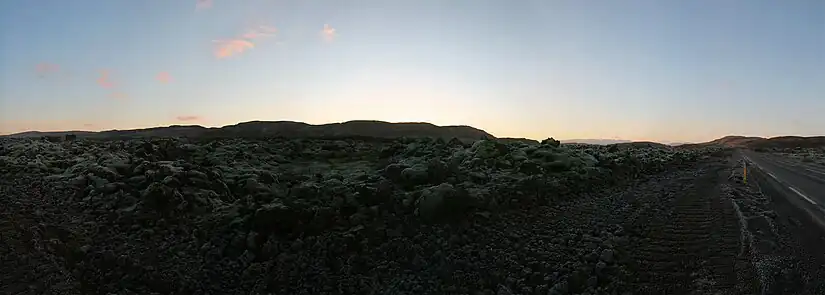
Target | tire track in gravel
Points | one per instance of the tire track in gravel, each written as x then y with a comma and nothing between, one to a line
582,245
577,246
687,242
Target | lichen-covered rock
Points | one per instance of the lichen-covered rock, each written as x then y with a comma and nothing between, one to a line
415,175
486,149
437,171
393,171
530,167
278,218
443,201
158,196
551,142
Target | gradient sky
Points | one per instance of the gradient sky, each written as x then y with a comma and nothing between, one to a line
642,70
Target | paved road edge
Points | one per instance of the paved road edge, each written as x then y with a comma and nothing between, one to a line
775,187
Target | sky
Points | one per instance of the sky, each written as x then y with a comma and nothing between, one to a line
659,70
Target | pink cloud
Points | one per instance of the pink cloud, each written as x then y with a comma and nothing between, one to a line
87,125
188,118
104,80
164,77
328,33
44,69
227,48
251,35
203,4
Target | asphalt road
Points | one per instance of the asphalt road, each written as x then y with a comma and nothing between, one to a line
802,183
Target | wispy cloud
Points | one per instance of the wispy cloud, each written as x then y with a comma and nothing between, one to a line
328,33
227,48
45,69
87,125
259,32
188,118
104,80
164,77
203,4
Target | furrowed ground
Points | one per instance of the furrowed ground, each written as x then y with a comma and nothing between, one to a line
407,216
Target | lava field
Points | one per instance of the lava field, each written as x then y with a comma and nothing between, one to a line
379,216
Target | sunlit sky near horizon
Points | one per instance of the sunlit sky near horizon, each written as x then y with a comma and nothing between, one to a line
660,70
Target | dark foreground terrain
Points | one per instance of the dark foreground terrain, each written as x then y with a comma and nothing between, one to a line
400,216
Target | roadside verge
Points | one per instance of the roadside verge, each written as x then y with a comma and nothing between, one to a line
775,187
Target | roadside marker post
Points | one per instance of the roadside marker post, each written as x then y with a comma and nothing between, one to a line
745,171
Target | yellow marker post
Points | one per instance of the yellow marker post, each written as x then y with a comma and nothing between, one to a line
745,172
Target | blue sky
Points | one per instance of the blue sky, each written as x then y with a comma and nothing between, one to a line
639,70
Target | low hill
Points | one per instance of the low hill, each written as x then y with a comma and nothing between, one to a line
518,139
736,141
381,129
641,144
29,134
752,142
789,142
596,141
287,129
377,129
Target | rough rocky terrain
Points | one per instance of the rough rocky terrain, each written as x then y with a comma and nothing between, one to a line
401,216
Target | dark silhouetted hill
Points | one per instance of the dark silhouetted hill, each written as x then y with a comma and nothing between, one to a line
29,134
789,142
285,129
736,141
378,129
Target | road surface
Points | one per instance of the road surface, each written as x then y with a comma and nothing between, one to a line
802,183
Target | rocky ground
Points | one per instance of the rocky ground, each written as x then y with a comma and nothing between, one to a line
407,216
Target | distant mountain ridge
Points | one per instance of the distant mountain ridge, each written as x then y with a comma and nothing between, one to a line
288,129
381,129
603,141
595,141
